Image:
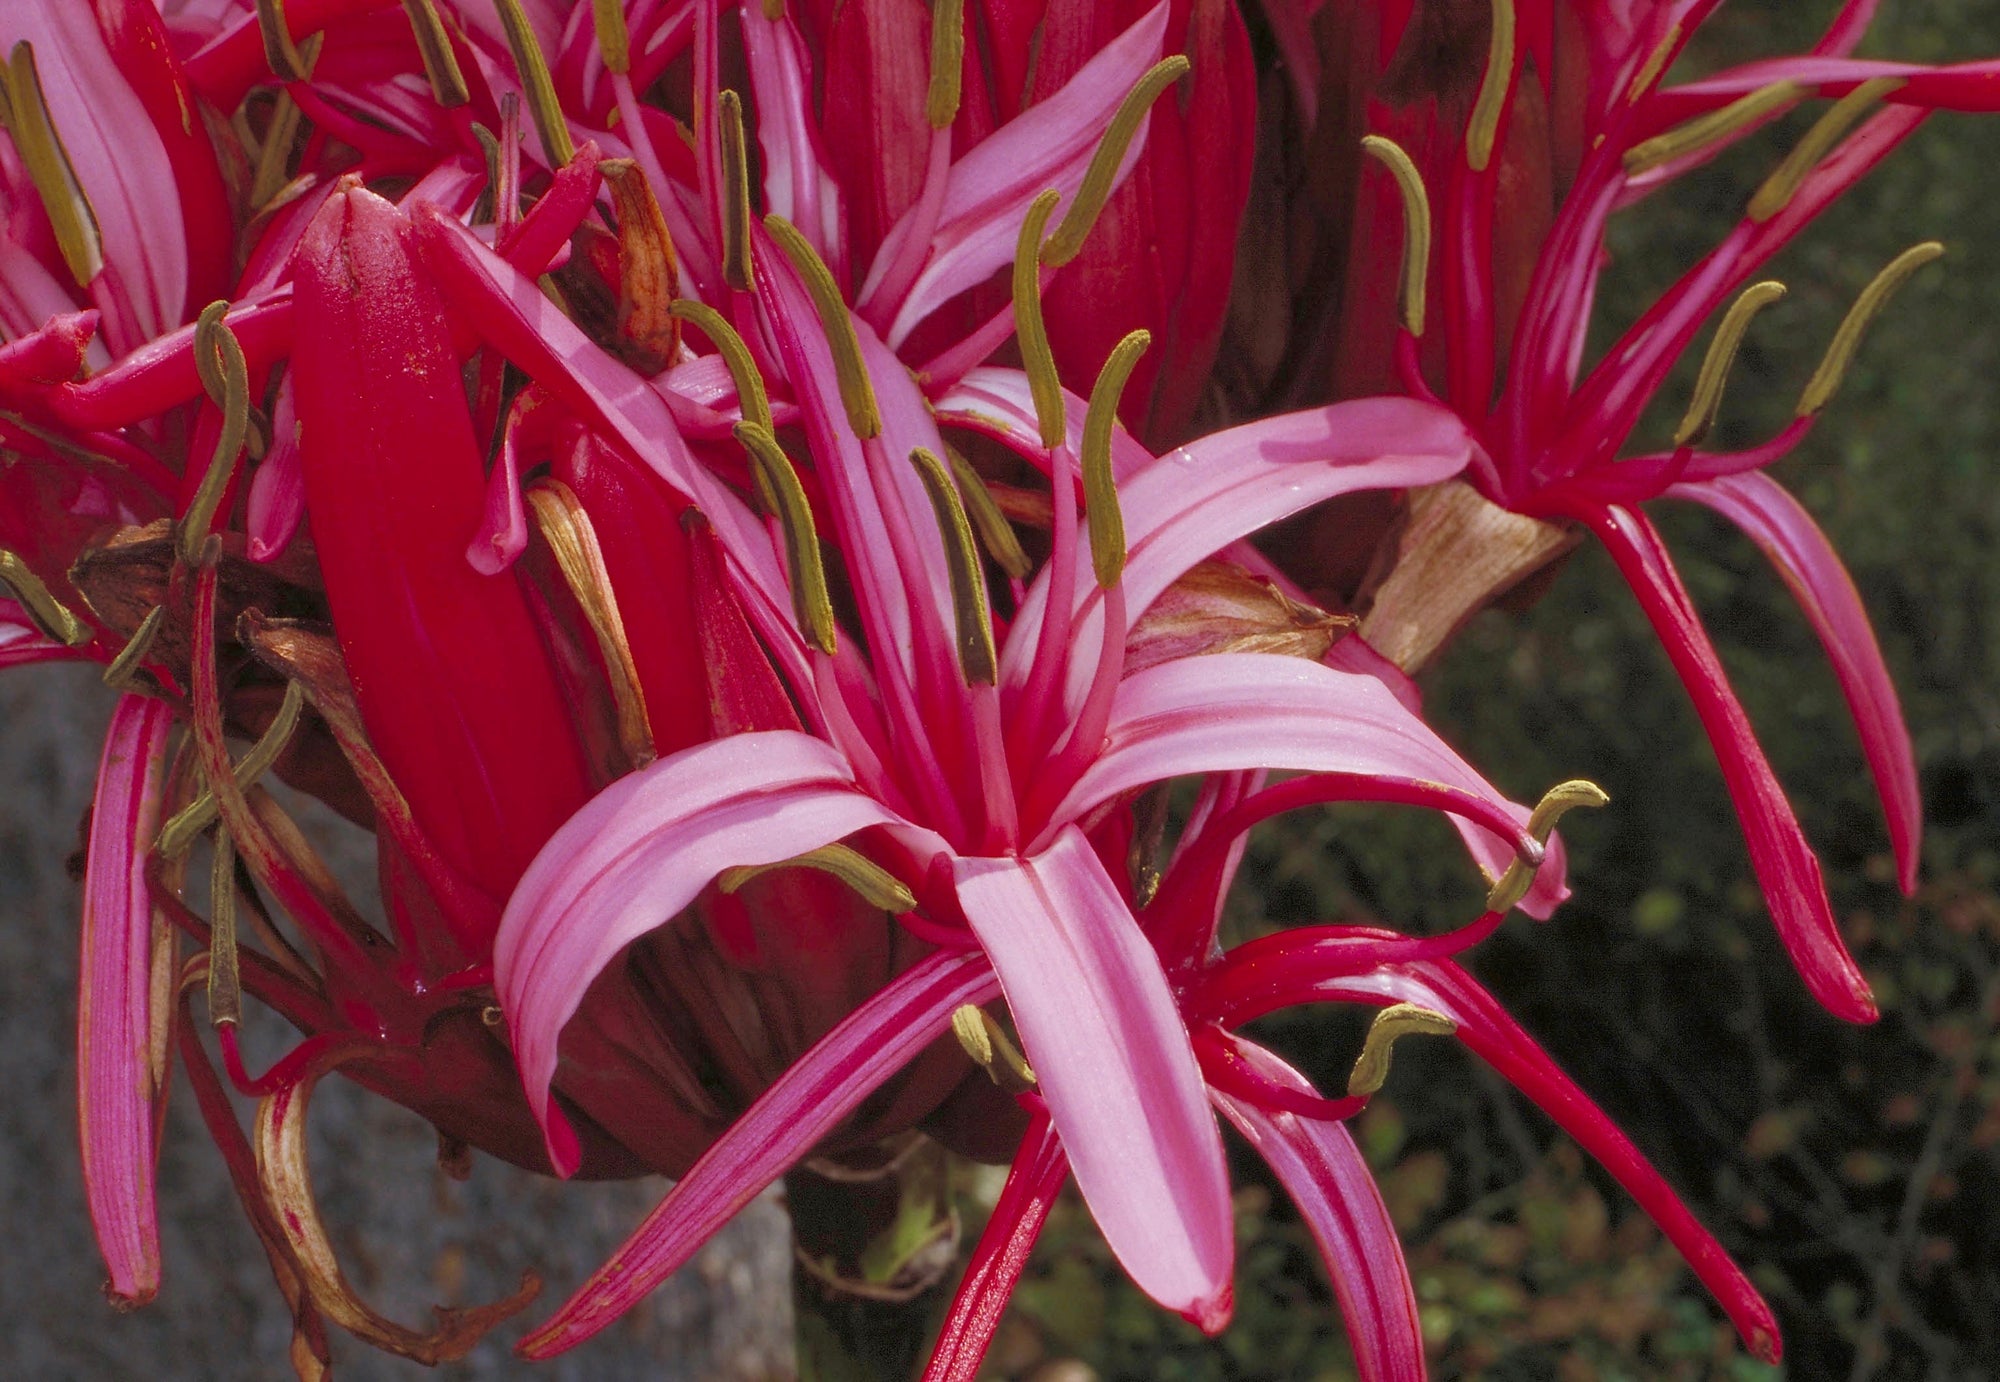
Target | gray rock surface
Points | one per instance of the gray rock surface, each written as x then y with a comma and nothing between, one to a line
407,1234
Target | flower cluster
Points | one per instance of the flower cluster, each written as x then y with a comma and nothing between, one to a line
625,456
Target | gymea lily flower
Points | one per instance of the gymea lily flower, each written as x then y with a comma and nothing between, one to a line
1497,286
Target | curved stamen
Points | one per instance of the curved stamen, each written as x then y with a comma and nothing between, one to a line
877,886
1416,227
810,601
857,394
434,45
1557,801
1037,359
1371,1067
179,833
991,1049
226,376
752,400
1708,385
976,658
53,617
1100,488
119,674
1095,189
1705,131
535,84
735,194
1833,366
572,540
70,213
947,57
996,534
1483,129
1777,190
287,63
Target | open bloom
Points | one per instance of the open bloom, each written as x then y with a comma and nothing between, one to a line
1502,160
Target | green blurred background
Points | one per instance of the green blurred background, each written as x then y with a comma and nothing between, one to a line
1852,1170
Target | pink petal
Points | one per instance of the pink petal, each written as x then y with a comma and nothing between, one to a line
278,489
1777,523
1100,1028
1335,965
637,854
1231,711
806,1103
115,1076
1337,1196
988,191
1785,865
1001,1253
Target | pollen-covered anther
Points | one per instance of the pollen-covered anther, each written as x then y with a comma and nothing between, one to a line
1483,129
440,63
180,832
285,1180
875,884
1371,1067
1777,190
752,399
1655,65
572,539
283,55
1100,486
1416,227
53,617
614,40
1555,803
857,394
648,275
219,361
947,57
1705,131
735,192
976,658
1833,366
118,674
36,140
225,982
991,1049
1714,376
812,605
1095,189
280,137
996,534
1037,360
533,68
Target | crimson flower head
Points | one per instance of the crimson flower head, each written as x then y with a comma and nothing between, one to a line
1484,177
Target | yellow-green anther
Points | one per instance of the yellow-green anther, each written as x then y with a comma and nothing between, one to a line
1371,1067
1036,358
70,213
225,985
572,541
1520,874
279,51
535,83
996,534
947,57
1090,197
876,885
1416,226
1100,489
50,614
216,343
774,10
614,40
857,394
1777,190
810,600
1708,385
179,833
976,658
279,136
1703,131
751,399
434,44
1833,366
990,1048
735,195
1484,127
118,675
1655,65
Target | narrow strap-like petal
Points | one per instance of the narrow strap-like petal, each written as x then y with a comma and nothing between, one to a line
1779,524
807,1102
116,1080
1100,1028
